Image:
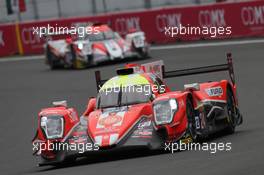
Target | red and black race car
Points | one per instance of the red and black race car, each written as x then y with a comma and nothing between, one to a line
100,45
137,108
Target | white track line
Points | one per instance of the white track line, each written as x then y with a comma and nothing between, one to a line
176,46
21,58
209,44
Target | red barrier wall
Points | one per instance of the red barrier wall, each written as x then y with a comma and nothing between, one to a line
8,42
246,19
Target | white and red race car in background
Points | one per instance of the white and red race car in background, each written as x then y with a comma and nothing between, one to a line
94,48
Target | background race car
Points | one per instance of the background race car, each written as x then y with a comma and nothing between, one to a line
137,109
99,46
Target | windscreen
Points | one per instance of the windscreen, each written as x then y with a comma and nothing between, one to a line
121,96
102,35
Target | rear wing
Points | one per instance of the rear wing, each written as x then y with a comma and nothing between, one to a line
158,68
206,69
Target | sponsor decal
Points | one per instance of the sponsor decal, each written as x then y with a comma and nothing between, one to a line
123,25
212,18
165,20
144,130
76,139
28,37
110,120
154,67
252,15
216,91
144,124
142,133
107,130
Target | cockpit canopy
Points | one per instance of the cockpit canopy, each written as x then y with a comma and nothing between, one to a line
124,90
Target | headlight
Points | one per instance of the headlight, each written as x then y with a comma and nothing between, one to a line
80,46
164,111
53,126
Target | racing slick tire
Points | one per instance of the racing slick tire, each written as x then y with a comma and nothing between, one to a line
91,61
231,112
190,113
142,53
51,59
73,63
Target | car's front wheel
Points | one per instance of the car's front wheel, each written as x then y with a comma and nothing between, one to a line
191,127
91,61
73,62
51,59
143,53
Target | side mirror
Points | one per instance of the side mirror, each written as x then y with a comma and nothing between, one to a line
68,40
90,106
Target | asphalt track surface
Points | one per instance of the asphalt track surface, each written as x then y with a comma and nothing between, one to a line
28,86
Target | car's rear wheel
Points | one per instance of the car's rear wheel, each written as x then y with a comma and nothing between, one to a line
51,58
191,128
231,112
91,61
142,53
74,62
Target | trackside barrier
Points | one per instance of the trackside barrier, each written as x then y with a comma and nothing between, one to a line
246,19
